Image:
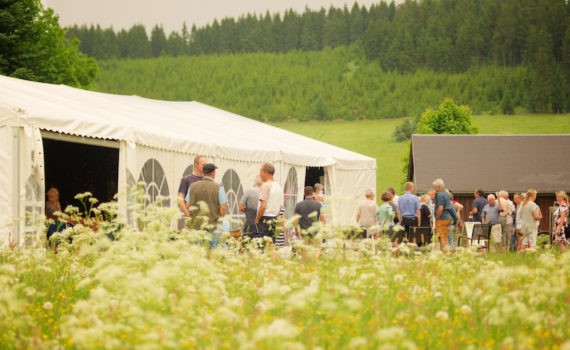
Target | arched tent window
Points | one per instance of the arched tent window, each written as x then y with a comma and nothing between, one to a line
32,207
234,190
290,193
188,170
156,187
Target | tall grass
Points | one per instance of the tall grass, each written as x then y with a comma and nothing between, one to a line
159,288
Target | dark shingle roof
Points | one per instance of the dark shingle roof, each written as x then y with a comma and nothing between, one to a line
491,162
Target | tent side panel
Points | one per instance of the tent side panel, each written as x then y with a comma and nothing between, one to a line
6,185
347,191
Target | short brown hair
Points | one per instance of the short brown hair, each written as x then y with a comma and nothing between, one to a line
268,168
197,158
386,196
309,191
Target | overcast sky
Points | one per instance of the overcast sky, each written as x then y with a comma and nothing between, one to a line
172,13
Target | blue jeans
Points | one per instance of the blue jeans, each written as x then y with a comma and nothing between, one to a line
451,236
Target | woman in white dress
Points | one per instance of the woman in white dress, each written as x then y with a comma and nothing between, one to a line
530,216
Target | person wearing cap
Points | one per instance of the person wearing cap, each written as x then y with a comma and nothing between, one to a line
212,194
270,202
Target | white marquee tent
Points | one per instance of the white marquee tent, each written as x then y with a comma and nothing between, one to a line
156,143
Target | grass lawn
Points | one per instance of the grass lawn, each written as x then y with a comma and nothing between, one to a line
374,137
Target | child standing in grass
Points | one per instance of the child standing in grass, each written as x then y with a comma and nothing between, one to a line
385,214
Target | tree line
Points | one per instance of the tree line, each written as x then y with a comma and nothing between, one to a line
337,83
440,35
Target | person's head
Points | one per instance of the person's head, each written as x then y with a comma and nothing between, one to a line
391,191
503,194
530,195
478,193
258,181
266,172
53,195
449,193
209,170
386,196
199,162
491,199
431,194
517,198
309,192
320,198
424,198
318,188
369,194
438,185
409,187
561,197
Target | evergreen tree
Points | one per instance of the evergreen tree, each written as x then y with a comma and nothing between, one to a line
158,41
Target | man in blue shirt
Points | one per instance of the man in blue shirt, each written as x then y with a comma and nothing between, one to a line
408,208
478,204
442,213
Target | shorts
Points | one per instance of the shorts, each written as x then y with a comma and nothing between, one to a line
442,228
497,233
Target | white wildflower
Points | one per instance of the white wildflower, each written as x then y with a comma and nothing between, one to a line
442,315
279,328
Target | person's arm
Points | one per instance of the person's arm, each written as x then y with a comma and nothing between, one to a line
243,202
399,215
323,218
260,210
537,214
439,212
223,200
358,215
182,203
419,216
474,211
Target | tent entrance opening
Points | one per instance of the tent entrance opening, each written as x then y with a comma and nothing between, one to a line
314,175
77,168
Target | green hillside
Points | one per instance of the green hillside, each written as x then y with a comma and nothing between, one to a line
373,137
326,85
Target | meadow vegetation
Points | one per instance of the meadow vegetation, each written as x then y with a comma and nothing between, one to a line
325,85
160,288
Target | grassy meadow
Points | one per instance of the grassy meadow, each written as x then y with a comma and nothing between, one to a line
162,289
374,137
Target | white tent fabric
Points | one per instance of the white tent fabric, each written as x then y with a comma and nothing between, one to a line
172,132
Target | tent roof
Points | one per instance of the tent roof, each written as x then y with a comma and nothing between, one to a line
188,127
491,162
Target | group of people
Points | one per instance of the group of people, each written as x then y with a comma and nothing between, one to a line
513,224
205,202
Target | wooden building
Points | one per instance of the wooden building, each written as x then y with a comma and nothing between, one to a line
513,163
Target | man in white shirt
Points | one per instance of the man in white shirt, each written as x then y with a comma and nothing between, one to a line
506,210
270,202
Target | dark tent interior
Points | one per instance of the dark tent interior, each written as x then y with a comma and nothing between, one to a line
77,168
